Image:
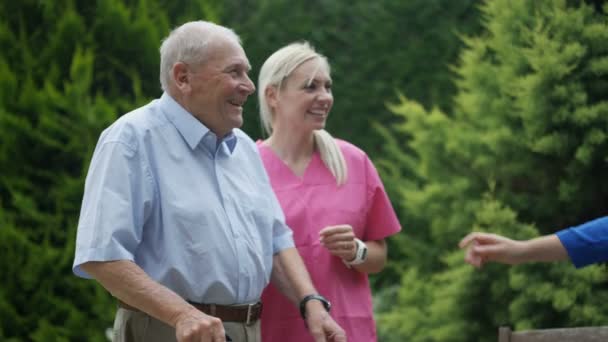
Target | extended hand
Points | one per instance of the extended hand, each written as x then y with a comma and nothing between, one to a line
483,247
339,241
195,326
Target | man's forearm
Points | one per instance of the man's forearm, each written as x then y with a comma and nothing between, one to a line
290,276
129,283
293,280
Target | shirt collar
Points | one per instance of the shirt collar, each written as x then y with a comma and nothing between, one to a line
192,130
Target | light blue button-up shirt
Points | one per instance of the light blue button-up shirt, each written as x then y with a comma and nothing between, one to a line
198,215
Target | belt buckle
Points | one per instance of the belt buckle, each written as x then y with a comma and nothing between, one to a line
249,310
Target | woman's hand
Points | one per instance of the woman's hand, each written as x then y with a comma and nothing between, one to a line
339,241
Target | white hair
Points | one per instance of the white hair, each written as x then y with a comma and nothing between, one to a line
278,67
188,44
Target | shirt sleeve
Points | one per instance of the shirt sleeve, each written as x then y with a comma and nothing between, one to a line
381,218
588,243
116,200
282,236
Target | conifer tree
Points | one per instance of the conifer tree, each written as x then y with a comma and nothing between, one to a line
523,154
67,70
374,47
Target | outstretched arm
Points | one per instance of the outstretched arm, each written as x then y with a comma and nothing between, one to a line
485,247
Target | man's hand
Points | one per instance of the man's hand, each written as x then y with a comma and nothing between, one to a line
129,283
195,326
290,276
484,247
320,324
339,241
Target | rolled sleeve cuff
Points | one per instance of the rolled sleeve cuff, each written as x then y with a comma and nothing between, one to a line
110,253
282,242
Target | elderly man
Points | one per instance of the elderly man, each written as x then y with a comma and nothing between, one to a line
178,220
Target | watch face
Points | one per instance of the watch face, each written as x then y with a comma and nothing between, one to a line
361,250
364,253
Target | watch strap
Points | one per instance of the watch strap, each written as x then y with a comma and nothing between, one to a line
323,300
360,255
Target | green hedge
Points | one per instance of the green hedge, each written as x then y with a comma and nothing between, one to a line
67,70
522,154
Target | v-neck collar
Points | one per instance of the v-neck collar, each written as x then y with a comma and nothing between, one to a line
288,171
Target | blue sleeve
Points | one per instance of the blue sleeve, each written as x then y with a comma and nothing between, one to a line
588,243
116,198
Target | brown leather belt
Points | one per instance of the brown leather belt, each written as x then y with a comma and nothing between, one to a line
247,313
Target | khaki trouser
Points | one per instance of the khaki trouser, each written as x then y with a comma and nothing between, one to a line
136,326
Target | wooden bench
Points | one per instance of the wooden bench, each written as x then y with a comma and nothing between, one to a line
583,334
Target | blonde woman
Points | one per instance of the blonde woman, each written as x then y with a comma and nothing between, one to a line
330,192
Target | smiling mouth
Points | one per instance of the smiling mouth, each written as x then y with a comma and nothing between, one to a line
318,113
237,103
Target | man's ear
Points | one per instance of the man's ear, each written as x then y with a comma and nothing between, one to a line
181,77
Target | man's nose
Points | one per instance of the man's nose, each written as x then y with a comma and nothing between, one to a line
248,85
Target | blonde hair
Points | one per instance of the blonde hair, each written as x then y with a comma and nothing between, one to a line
275,70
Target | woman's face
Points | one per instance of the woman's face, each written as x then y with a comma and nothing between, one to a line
305,99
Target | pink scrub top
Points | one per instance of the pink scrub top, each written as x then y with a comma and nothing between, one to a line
312,203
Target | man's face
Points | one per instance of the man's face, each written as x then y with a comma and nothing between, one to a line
219,88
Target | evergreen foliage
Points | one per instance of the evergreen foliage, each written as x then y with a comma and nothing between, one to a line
67,70
522,154
375,49
516,145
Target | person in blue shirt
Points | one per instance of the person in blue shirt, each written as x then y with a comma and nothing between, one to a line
583,245
178,220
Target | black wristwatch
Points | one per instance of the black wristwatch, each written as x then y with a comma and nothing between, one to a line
325,302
